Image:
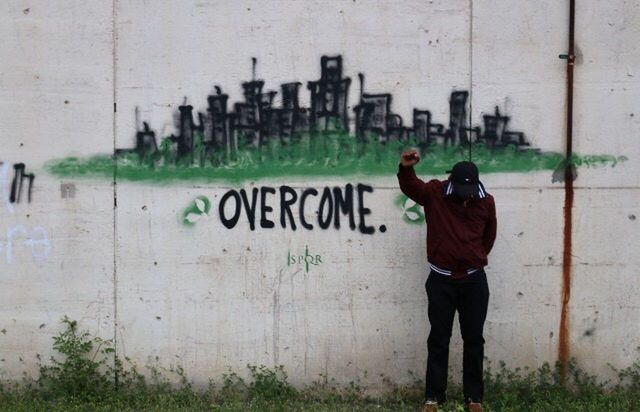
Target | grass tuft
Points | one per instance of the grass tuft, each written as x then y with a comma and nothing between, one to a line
85,375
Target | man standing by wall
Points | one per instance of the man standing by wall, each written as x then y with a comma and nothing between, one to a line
461,230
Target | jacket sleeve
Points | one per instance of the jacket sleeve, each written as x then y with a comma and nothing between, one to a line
490,229
411,185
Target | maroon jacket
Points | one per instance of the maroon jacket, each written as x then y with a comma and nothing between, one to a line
459,236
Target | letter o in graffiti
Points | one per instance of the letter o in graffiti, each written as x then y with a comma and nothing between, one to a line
230,223
325,201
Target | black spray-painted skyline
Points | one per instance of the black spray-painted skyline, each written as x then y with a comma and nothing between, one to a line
256,120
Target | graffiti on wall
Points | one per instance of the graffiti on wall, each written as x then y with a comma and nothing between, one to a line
336,207
307,260
256,138
255,122
21,184
195,211
34,241
16,186
412,212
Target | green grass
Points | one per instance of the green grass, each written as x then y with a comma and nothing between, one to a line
269,390
82,377
328,154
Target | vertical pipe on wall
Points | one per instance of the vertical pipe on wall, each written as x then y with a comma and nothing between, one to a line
564,351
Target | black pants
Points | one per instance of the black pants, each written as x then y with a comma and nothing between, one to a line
470,297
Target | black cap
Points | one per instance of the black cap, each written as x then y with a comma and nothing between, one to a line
465,179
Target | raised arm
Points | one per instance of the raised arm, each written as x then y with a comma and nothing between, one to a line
410,184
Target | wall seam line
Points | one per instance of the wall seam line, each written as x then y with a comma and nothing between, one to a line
114,62
470,74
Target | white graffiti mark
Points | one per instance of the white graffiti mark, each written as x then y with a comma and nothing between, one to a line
39,245
35,240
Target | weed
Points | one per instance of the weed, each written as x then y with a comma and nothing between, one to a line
234,389
80,373
270,384
86,375
630,376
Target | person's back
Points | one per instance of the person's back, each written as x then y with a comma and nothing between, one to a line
461,230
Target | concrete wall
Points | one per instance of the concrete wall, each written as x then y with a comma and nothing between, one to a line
122,259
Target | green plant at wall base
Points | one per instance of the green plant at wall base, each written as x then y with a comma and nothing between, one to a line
89,377
333,153
270,383
80,373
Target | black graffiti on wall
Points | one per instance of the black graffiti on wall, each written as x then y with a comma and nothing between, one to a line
268,207
21,183
255,121
17,185
334,203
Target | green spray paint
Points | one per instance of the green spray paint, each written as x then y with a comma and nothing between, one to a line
308,260
327,154
197,209
412,212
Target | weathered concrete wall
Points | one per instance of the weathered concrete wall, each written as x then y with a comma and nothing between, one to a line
118,250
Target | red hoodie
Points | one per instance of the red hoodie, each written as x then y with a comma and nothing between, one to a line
460,234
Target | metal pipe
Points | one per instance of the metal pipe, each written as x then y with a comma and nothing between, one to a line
564,348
